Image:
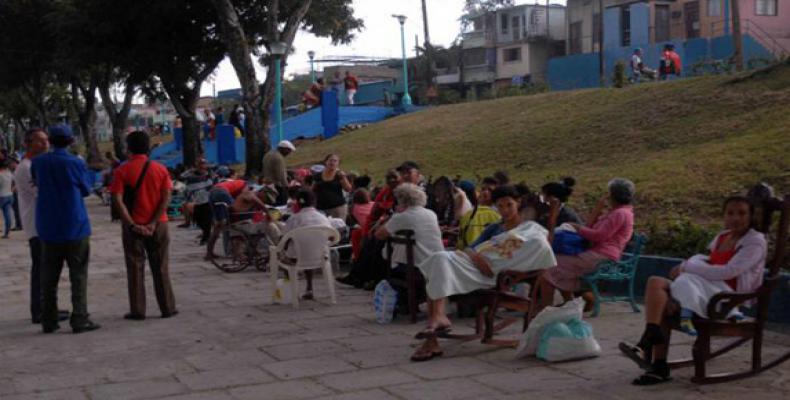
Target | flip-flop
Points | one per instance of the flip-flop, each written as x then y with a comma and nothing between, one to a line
428,332
636,354
421,355
650,378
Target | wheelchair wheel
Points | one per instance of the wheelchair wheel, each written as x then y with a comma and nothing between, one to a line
234,256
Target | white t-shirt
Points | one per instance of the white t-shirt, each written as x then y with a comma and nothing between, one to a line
427,235
635,61
27,193
6,183
307,216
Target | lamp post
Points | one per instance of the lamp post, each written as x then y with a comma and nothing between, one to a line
311,54
277,49
406,101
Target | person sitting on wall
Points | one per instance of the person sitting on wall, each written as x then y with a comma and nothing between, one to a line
638,68
312,97
736,262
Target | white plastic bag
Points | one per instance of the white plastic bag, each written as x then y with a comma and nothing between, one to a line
564,340
385,298
282,291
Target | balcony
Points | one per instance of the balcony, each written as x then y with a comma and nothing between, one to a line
476,39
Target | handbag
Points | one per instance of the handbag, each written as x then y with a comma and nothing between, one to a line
130,194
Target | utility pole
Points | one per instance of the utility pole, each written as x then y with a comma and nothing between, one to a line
428,49
601,65
737,36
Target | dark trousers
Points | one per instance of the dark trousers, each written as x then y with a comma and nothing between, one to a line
282,195
35,278
156,247
202,217
16,212
76,255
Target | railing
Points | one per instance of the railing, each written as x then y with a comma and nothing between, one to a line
749,27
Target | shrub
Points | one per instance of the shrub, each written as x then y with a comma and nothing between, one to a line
619,78
678,237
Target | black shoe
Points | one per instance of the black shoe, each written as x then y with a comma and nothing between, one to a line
86,327
50,329
347,280
63,315
370,286
170,314
134,317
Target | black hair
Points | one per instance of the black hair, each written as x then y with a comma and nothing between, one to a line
489,180
506,191
3,164
320,80
361,196
32,131
745,200
561,190
502,177
362,181
60,142
305,198
138,142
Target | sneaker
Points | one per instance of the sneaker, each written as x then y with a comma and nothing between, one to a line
86,327
687,327
50,329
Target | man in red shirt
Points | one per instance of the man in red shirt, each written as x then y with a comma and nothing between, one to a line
351,84
142,204
226,197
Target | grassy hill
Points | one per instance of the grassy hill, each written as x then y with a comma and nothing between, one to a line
686,144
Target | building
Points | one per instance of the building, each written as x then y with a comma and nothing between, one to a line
509,46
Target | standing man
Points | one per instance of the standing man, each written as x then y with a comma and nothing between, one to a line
63,228
141,190
274,170
352,84
36,143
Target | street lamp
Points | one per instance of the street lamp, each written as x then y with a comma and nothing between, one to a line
278,49
311,54
406,101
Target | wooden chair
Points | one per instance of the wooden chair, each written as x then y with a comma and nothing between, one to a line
413,282
617,271
720,305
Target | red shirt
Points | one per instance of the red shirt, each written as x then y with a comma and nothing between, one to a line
722,257
150,194
351,83
233,186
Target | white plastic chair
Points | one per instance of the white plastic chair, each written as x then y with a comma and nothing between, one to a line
311,245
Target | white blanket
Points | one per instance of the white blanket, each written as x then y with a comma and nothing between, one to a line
693,292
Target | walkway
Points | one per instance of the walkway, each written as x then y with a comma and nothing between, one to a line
229,342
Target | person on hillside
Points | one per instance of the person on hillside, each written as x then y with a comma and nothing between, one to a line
141,189
6,196
608,235
312,96
511,244
36,143
275,171
329,185
352,85
336,84
735,263
64,229
561,191
473,223
671,65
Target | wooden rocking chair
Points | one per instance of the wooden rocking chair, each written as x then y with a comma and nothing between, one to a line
719,307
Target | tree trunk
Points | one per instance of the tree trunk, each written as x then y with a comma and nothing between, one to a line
737,35
86,114
185,100
118,118
191,140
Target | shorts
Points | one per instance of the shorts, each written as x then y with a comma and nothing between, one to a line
220,201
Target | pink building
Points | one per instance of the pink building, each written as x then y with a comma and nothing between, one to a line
767,21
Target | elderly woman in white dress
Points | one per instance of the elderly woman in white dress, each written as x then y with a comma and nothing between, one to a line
736,263
513,244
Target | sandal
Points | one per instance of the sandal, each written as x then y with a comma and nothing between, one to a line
423,354
430,332
636,354
651,378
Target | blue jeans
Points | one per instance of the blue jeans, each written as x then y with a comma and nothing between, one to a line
6,203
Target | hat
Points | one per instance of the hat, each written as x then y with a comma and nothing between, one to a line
61,130
286,144
407,166
223,171
466,186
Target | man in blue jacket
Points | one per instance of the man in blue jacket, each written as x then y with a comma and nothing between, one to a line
63,228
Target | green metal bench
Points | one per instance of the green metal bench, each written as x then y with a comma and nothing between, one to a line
617,271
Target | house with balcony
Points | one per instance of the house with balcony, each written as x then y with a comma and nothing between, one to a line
700,30
509,46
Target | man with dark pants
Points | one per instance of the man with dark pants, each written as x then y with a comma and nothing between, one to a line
63,228
141,190
36,143
275,172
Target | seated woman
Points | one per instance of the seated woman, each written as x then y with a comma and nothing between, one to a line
361,207
561,191
305,214
412,215
449,201
608,235
736,263
513,244
473,223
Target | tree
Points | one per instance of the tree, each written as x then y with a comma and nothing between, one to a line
474,8
247,25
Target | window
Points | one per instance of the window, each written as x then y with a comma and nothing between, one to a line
765,7
575,39
625,26
516,28
511,55
504,23
475,57
714,8
661,23
477,24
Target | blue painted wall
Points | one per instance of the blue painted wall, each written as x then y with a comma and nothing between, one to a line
640,23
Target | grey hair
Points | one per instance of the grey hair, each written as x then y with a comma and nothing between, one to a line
410,195
622,190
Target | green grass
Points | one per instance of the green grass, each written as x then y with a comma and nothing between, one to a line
686,144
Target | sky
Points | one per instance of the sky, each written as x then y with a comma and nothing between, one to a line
379,38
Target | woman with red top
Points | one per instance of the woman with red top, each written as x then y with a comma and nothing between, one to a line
736,263
608,235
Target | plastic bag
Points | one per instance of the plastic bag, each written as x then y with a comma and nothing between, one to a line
385,298
282,291
569,243
553,337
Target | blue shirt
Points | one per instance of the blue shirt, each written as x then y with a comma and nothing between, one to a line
490,231
62,182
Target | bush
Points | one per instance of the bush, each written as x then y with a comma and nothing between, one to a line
619,78
678,237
